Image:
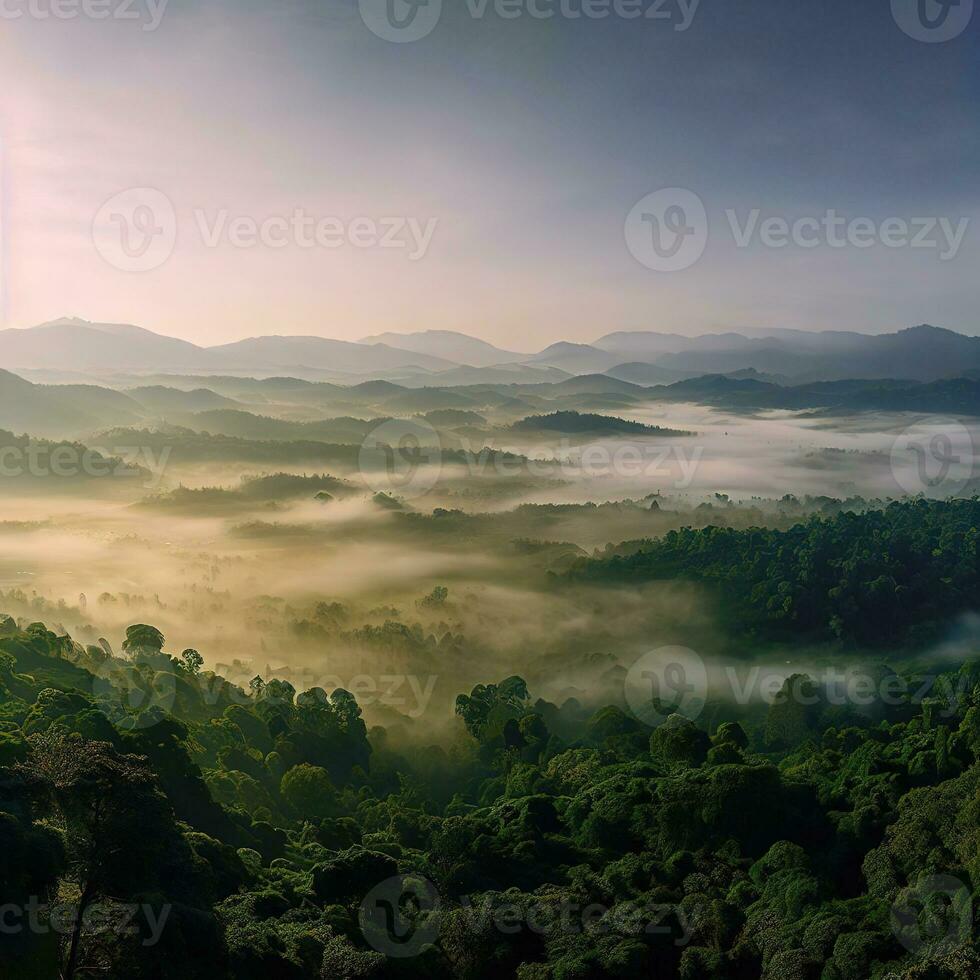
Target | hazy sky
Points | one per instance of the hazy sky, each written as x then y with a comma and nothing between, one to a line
503,154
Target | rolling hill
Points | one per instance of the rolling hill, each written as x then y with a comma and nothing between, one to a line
587,424
62,410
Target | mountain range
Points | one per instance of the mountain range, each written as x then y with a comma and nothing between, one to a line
450,345
73,349
316,411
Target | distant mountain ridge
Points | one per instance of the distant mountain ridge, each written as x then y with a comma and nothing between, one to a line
954,396
77,345
337,355
70,349
922,353
450,345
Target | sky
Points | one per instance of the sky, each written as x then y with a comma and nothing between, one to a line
216,169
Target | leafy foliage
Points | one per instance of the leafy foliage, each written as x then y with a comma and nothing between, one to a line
255,832
881,577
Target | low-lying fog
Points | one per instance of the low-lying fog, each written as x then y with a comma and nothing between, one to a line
767,454
309,586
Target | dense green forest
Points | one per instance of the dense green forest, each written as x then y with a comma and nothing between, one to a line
877,578
158,821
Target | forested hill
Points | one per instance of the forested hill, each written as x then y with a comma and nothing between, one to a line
158,822
578,423
876,578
